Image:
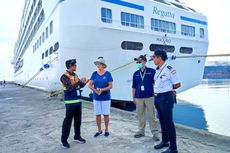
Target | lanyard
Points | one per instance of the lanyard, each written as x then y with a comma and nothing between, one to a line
161,71
142,76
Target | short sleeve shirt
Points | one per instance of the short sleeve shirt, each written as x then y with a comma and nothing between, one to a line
147,82
165,78
101,81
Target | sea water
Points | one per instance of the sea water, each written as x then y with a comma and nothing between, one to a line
206,106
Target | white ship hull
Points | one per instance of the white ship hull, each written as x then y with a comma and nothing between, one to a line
80,33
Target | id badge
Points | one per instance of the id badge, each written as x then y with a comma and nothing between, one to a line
78,92
142,88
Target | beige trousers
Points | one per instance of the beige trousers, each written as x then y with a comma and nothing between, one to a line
143,104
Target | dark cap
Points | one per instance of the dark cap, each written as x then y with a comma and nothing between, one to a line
160,53
140,58
70,62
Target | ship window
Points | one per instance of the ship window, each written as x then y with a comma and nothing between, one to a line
167,48
46,53
42,55
187,30
43,37
51,27
186,50
51,50
163,26
128,45
33,49
106,15
201,33
56,46
46,32
132,20
40,41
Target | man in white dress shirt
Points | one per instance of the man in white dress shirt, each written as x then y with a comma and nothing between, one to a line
166,81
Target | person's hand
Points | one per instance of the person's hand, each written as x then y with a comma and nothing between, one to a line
96,91
99,91
174,93
84,80
134,101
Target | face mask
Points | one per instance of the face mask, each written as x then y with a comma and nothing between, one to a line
139,65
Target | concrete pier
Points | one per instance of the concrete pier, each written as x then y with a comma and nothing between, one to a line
30,122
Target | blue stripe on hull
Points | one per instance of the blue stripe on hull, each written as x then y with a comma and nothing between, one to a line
193,20
126,4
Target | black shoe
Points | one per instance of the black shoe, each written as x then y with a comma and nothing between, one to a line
139,135
170,151
65,145
80,140
161,145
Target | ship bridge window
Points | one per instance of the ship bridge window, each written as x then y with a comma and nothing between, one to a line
132,20
167,48
129,45
163,26
187,30
106,15
186,50
56,46
201,33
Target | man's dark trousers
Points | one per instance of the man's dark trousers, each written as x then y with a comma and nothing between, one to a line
164,105
71,112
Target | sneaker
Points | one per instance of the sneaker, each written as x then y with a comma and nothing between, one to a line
97,134
80,140
65,145
138,135
106,134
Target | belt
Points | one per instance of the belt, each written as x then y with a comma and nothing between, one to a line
161,94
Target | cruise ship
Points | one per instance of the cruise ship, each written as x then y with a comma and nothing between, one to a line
53,31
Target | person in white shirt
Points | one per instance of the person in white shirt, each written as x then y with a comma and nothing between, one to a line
166,81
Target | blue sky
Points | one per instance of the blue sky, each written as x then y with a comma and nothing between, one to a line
216,11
